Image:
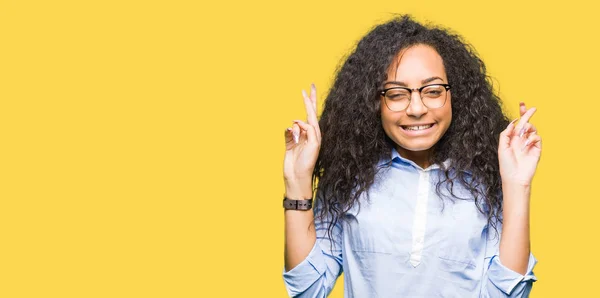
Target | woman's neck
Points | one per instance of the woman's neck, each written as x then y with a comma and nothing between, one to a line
421,158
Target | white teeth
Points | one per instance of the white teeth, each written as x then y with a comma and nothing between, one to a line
419,127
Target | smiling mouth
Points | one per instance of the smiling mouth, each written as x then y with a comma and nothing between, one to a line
416,127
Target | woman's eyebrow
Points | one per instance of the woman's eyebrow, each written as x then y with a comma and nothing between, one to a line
423,82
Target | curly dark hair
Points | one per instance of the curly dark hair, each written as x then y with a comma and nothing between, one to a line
353,139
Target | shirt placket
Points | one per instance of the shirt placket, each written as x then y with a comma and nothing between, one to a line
420,219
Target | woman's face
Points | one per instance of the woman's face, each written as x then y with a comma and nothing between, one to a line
419,65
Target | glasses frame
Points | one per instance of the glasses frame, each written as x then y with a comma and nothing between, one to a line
384,91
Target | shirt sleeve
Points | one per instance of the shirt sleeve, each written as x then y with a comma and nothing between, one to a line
499,280
316,275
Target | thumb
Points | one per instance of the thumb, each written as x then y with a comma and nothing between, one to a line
290,142
505,135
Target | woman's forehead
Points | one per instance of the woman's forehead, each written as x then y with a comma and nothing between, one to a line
416,63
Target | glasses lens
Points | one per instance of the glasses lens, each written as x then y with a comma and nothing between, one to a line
434,96
397,99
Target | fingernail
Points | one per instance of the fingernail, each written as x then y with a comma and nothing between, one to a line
513,121
296,137
304,93
525,146
312,85
522,103
522,132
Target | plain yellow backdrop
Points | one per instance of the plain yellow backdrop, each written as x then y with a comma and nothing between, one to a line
141,142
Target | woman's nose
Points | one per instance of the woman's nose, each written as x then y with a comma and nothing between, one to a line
415,106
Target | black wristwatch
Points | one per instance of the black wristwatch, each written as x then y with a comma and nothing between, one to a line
296,204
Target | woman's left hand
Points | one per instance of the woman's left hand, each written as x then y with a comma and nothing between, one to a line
519,150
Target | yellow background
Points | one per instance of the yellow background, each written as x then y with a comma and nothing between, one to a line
141,142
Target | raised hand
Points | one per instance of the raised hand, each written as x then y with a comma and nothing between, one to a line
519,150
302,144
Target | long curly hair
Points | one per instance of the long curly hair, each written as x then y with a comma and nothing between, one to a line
353,139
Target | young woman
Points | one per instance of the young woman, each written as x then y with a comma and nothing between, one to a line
421,183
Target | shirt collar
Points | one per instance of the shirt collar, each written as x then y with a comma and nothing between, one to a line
396,158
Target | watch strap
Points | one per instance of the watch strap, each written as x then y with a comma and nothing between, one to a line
297,204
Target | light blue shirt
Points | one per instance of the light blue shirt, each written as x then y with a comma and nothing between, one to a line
408,242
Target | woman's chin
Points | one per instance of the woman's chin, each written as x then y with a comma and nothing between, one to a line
416,147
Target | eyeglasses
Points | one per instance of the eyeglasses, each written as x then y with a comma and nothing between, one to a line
398,98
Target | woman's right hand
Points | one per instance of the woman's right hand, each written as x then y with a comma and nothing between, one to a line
302,144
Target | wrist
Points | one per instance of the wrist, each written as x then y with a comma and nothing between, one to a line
297,179
515,197
298,196
298,192
298,186
515,181
515,187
